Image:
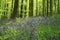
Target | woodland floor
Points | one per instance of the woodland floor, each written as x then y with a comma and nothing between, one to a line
32,28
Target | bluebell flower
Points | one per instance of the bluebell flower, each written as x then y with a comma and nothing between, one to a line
0,33
48,35
27,36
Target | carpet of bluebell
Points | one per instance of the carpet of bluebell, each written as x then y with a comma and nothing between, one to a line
33,28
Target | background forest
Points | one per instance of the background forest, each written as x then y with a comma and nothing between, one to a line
29,19
28,8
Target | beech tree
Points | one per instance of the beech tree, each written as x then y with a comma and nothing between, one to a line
30,8
15,9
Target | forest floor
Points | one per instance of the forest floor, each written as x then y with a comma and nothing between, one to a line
32,28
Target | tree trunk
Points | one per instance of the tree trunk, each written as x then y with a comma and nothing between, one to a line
51,8
58,7
21,8
15,10
36,7
30,7
43,7
47,7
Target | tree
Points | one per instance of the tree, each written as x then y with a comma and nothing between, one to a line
37,8
51,8
43,4
15,9
58,7
30,8
55,5
21,8
47,7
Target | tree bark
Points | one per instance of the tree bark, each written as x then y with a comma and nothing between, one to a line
43,7
58,7
47,7
15,10
30,7
21,8
50,7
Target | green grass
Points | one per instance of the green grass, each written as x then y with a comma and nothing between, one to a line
47,29
13,33
42,32
55,16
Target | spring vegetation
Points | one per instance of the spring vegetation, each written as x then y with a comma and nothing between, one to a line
29,19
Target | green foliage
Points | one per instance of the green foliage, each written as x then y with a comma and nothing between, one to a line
43,32
40,7
56,17
47,32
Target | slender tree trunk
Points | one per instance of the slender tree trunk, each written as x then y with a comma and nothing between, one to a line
55,5
14,13
36,7
30,7
58,7
43,7
47,7
25,9
21,8
51,7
